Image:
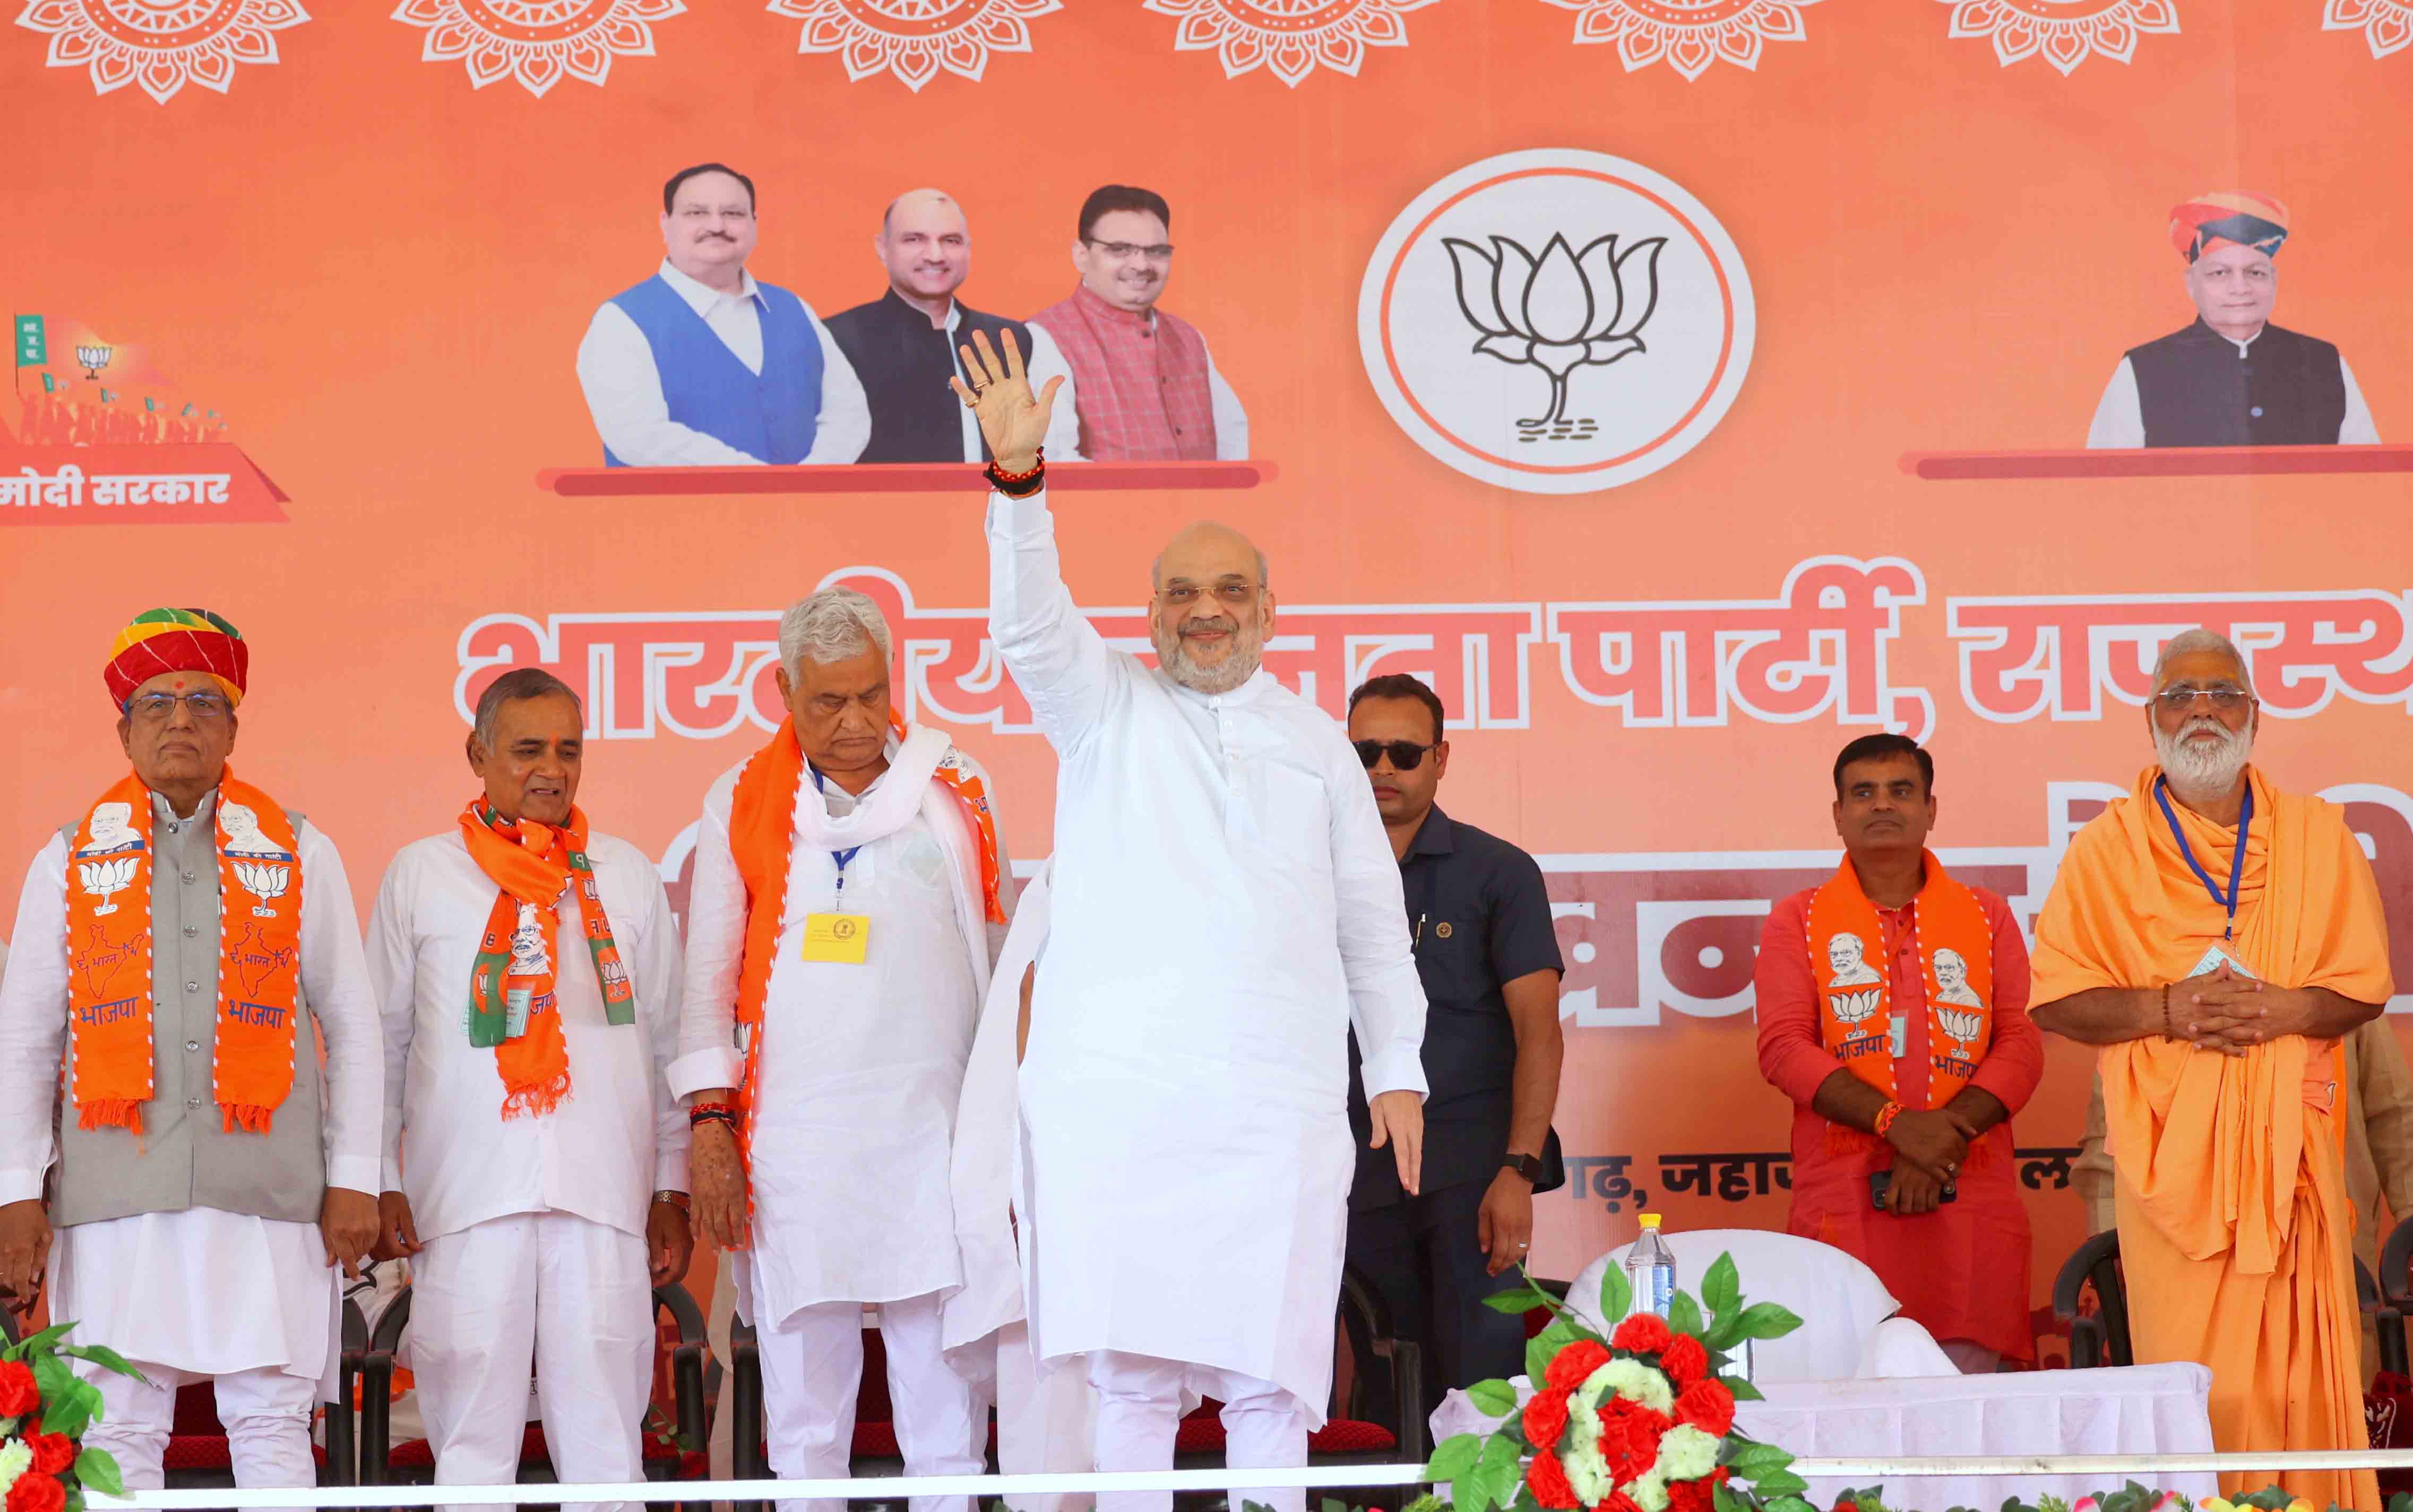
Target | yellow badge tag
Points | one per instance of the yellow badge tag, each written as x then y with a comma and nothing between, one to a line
837,937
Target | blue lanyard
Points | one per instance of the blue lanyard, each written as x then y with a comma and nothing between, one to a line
839,857
2236,862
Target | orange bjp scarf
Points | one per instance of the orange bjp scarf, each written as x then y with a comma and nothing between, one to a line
109,957
762,835
512,1004
1856,1017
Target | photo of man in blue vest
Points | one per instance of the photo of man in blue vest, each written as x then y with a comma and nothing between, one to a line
702,365
2231,378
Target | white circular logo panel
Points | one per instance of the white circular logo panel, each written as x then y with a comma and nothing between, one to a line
1556,321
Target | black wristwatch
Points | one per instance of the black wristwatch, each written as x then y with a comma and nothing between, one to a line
1527,1167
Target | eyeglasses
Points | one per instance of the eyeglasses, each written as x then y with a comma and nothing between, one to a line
1185,594
1161,252
159,708
1406,755
2178,697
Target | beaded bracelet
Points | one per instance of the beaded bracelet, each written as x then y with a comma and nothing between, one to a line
1019,484
1886,1116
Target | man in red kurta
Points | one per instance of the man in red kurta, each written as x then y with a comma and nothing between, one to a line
1893,1012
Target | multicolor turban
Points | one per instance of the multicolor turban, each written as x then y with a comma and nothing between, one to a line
2209,221
177,640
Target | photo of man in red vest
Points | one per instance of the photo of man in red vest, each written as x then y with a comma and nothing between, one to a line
1145,386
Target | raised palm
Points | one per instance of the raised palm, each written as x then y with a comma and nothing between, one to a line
1011,419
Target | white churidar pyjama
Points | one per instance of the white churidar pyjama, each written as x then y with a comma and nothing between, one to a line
575,1297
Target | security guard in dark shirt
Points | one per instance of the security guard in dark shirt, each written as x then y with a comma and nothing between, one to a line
1491,965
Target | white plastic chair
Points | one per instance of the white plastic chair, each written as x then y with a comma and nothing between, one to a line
1848,1327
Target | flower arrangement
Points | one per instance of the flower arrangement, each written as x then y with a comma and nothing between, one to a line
1641,1420
44,1408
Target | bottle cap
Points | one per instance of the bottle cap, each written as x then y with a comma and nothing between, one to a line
1649,1220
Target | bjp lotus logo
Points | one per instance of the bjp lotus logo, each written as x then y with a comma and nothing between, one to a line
1852,1009
104,880
1572,264
1960,1026
1562,310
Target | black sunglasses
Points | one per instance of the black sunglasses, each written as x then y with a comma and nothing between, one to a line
1406,755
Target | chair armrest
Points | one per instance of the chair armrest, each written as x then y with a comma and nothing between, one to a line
2387,1321
1408,1369
343,1447
2396,1265
746,1414
377,1417
2085,1343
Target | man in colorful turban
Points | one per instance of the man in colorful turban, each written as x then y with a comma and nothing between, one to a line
194,942
2231,378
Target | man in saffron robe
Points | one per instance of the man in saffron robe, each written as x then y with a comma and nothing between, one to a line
2217,937
1911,1071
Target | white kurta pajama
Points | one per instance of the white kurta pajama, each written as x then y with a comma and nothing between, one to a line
533,1226
862,1066
1226,906
199,1293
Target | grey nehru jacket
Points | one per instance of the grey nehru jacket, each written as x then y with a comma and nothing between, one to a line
184,1158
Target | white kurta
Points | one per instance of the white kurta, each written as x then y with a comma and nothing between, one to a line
168,1287
1226,906
617,1138
862,1063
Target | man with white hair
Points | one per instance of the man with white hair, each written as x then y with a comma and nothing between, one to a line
1225,906
850,899
2216,938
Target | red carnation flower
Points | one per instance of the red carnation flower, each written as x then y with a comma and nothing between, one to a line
1685,1361
1629,1439
1693,1495
1548,1479
1619,1501
19,1395
1546,1417
1708,1406
1570,1365
37,1493
53,1452
1847,1507
1644,1333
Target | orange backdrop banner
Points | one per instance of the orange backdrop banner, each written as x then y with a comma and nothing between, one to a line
1683,392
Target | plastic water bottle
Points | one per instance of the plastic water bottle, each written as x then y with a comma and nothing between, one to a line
1651,1270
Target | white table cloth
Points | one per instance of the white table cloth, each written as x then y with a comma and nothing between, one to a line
2141,1409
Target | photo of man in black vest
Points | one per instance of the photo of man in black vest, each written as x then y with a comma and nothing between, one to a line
2231,378
904,344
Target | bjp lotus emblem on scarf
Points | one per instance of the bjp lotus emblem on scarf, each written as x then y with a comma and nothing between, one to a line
1560,311
103,880
1961,1028
265,881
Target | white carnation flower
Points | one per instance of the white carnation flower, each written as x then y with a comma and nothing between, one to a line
16,1457
1649,1493
1687,1453
1633,1380
1587,1468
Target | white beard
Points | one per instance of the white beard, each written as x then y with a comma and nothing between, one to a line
1247,651
2203,770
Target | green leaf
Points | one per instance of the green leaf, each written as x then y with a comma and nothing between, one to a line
1518,1299
1752,1459
1729,1500
1499,1471
97,1469
1334,1504
1790,1504
36,1342
1452,1457
1684,1315
1722,1288
1494,1399
104,1356
1767,1320
1781,1484
1616,1295
1743,1390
